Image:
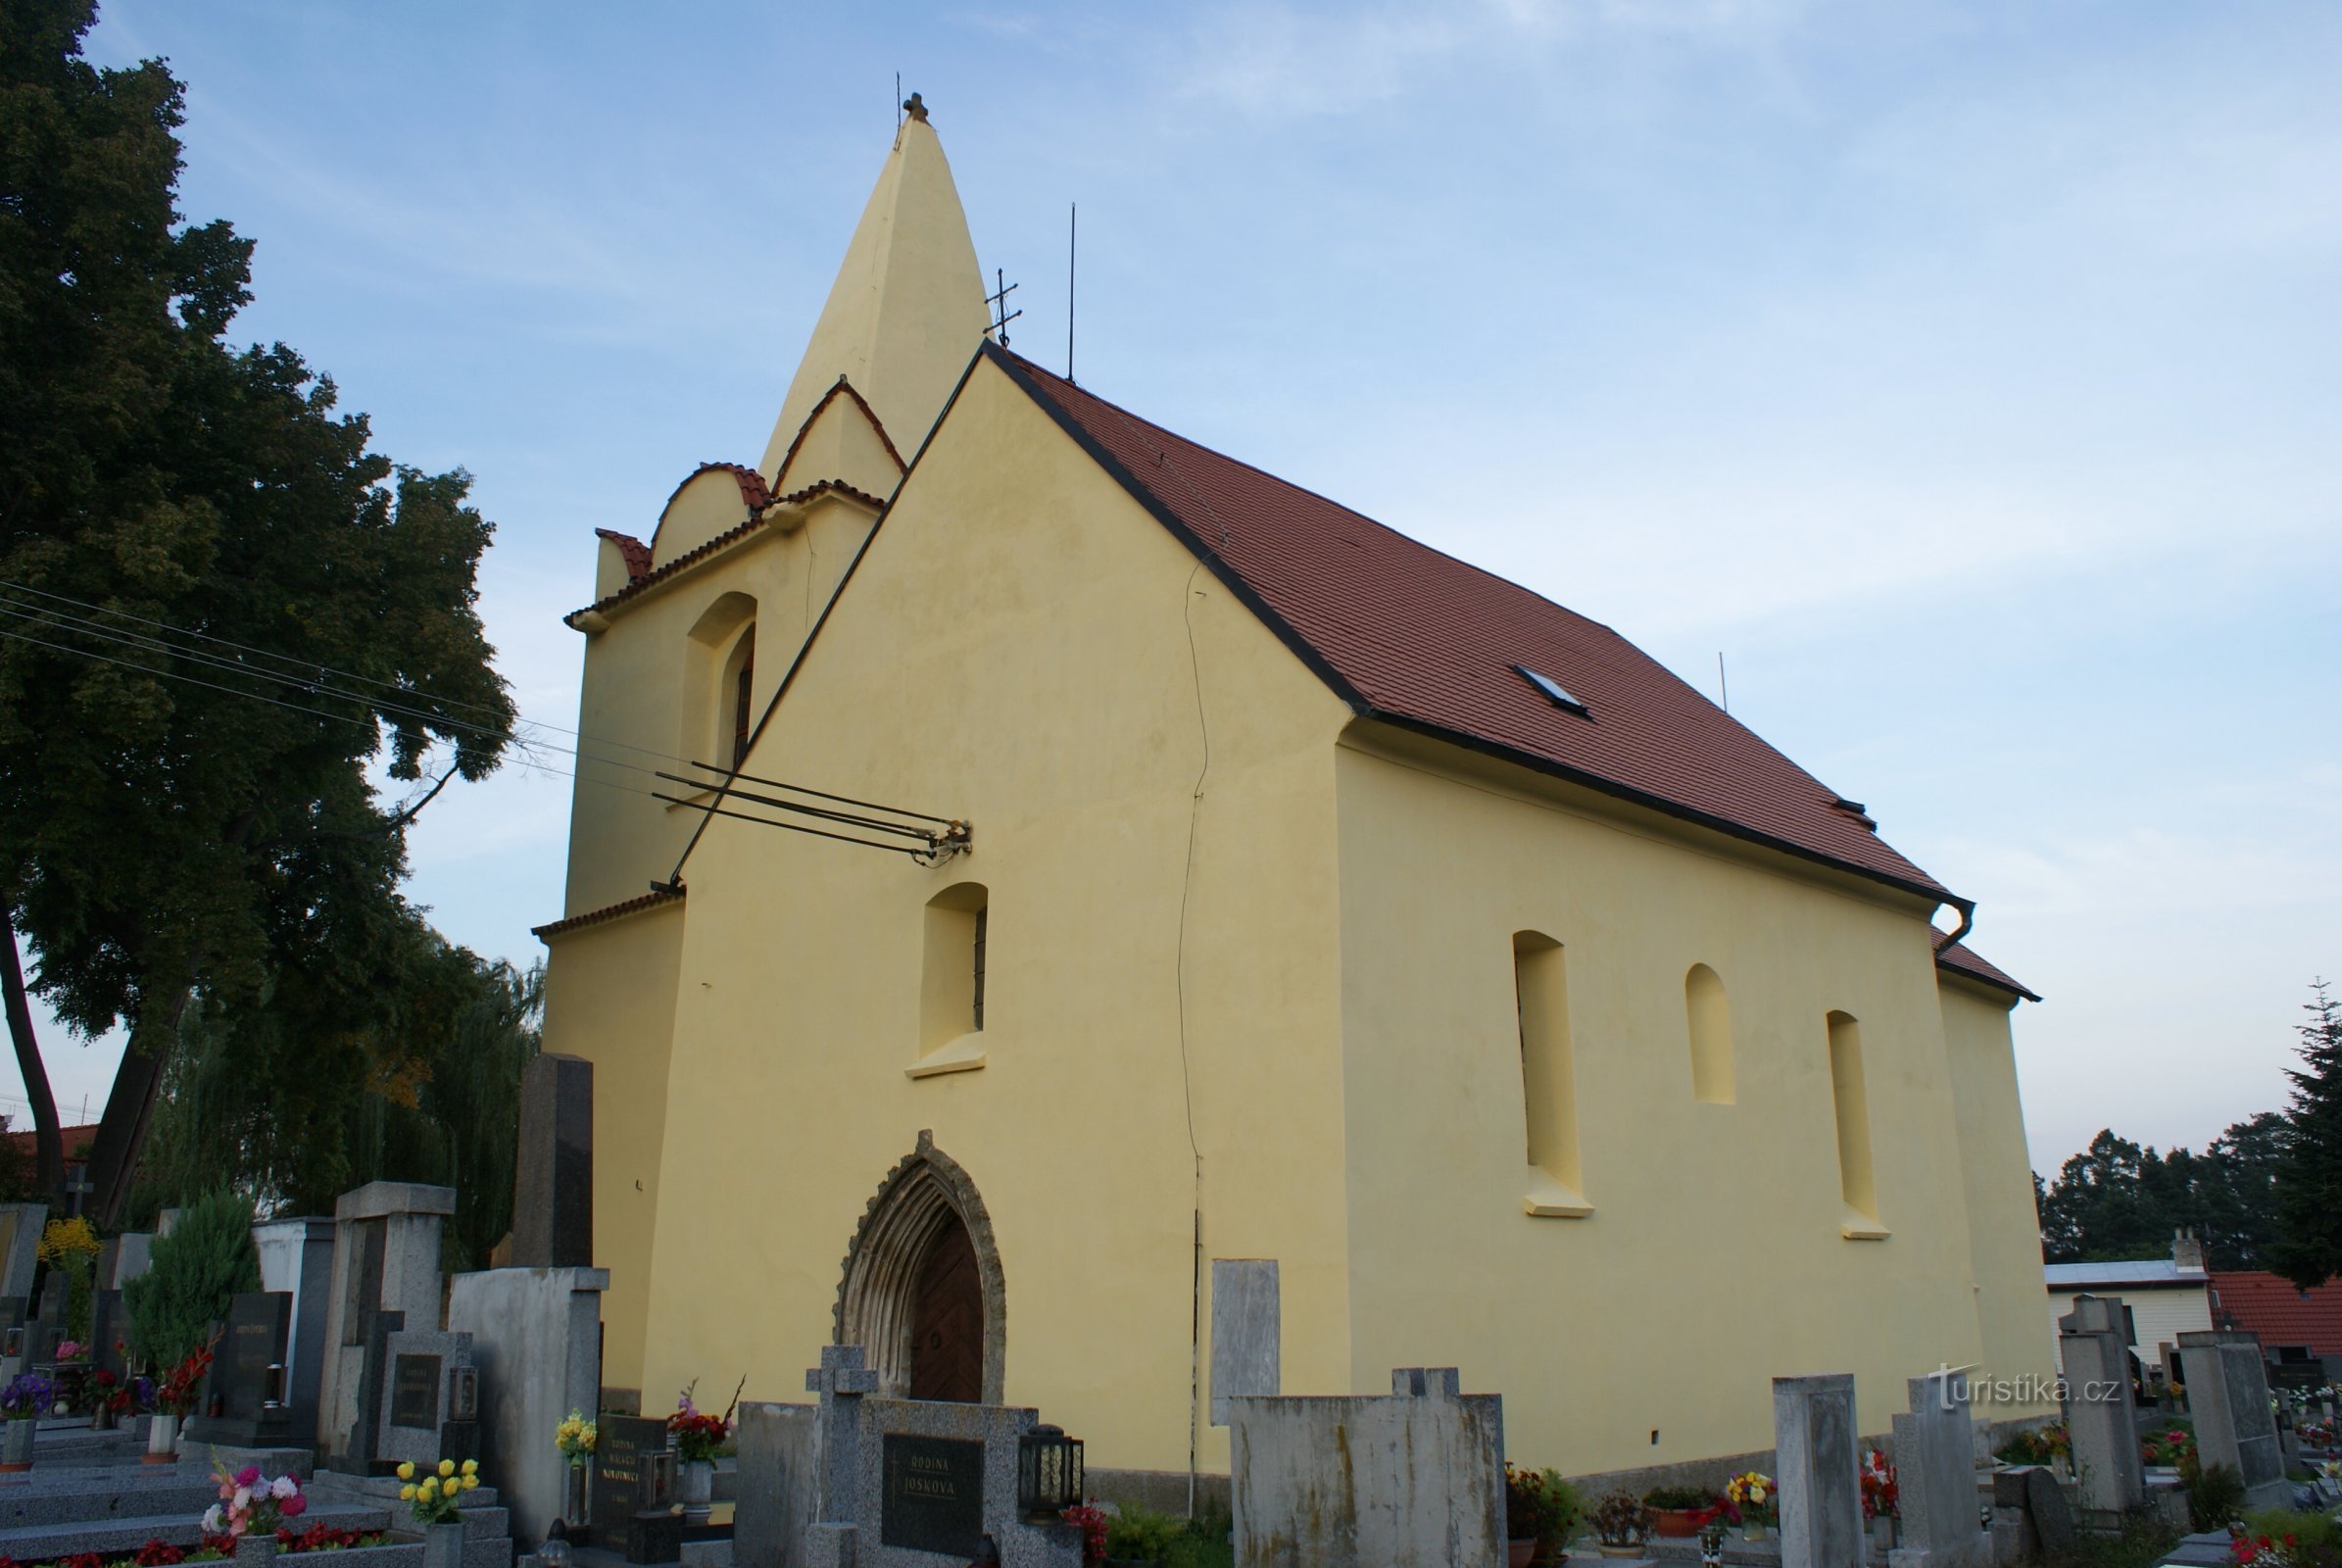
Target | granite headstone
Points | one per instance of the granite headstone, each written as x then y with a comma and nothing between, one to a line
553,1174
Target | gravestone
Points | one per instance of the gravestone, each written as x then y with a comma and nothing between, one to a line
297,1259
242,1400
134,1255
429,1400
1412,1479
47,1327
553,1175
109,1329
907,1480
1817,1471
2030,1517
1936,1476
536,1337
20,1226
385,1259
2227,1394
1246,1323
633,1474
2094,1348
778,1482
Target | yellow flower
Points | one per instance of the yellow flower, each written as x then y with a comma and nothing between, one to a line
447,1467
471,1467
407,1493
429,1488
1756,1493
406,1469
470,1482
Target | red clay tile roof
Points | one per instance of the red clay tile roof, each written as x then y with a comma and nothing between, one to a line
2280,1311
26,1140
609,911
1963,959
631,551
727,537
753,491
1424,641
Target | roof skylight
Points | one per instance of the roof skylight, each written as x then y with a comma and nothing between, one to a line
1553,689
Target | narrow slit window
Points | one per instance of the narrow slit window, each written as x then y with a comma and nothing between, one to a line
976,1012
953,965
1850,1103
743,683
1548,1088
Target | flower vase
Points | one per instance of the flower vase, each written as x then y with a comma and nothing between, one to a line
699,1490
1883,1534
1520,1553
163,1440
573,1495
16,1452
443,1545
1752,1530
255,1547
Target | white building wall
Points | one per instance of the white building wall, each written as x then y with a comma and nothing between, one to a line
2159,1313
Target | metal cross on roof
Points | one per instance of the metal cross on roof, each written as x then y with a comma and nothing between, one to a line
998,302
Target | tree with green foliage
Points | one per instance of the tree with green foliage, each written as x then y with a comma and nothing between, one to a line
316,1091
205,1261
2118,1200
217,608
2309,1186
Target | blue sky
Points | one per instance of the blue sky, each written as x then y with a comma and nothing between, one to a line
1966,374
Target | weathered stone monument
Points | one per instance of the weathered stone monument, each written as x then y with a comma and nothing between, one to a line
1246,1323
1412,1479
2094,1348
779,1484
385,1260
297,1262
429,1400
2227,1394
553,1178
1935,1470
536,1335
1819,1472
904,1482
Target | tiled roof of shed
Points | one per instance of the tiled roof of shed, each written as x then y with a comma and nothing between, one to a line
631,551
1430,643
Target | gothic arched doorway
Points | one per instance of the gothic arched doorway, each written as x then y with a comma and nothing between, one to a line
921,1291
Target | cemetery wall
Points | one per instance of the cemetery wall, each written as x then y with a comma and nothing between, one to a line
614,1001
1003,657
1715,1245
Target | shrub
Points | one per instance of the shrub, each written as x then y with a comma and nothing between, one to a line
1142,1535
1679,1498
2215,1496
206,1260
1621,1521
2315,1538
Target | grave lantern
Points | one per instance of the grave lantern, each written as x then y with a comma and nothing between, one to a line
554,1550
1049,1472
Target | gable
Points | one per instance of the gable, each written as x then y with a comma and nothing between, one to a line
716,499
1427,642
843,440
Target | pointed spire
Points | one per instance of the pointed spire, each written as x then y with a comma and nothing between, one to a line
907,308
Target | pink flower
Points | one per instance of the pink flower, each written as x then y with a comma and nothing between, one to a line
248,1475
293,1506
67,1350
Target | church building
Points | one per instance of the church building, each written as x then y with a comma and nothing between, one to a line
1022,857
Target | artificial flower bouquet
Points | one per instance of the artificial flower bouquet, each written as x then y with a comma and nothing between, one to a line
28,1395
1881,1497
251,1504
183,1386
699,1437
1750,1500
437,1496
575,1438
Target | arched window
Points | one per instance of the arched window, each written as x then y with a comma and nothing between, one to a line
1850,1102
719,676
1548,1082
1709,1018
953,979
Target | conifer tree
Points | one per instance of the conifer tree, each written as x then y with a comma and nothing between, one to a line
2309,1248
205,1261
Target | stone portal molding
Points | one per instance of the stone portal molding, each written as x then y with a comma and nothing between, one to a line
923,1193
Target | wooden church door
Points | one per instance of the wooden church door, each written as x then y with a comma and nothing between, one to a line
947,1321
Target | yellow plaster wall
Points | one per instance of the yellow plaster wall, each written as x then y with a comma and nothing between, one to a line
1996,1173
709,504
639,697
609,996
1016,650
1714,1257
